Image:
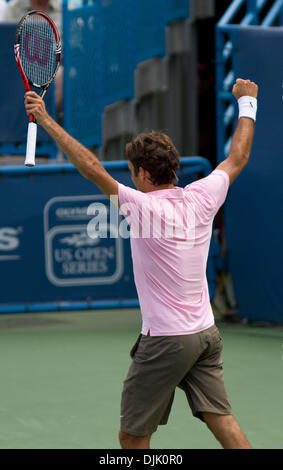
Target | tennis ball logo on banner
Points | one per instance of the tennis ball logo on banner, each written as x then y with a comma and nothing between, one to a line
72,257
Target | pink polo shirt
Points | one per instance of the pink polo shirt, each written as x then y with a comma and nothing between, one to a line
170,237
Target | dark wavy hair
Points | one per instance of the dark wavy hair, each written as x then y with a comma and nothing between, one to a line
156,153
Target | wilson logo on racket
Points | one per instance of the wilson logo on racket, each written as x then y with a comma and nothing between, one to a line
37,49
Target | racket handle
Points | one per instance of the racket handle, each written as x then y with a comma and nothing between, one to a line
31,144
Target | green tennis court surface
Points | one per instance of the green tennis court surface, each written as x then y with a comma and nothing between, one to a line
62,374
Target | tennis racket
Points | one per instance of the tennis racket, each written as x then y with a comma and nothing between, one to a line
37,52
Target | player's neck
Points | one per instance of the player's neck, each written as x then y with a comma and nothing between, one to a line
160,188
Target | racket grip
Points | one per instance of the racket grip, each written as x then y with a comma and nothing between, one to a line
31,144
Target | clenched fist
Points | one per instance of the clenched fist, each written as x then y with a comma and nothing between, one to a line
244,88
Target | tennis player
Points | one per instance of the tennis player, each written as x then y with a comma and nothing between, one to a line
179,345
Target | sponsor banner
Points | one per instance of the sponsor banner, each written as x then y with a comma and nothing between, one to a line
49,249
46,254
72,257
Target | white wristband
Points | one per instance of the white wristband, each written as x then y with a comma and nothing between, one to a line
247,107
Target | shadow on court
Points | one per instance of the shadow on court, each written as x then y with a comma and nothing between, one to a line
62,374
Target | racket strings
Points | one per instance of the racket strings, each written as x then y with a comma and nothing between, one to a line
38,50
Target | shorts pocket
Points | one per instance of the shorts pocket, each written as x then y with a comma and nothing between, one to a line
135,347
156,348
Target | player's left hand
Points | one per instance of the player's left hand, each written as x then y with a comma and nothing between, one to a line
245,88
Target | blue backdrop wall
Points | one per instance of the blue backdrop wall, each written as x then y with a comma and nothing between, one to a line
254,209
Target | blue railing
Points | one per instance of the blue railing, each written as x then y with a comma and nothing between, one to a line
103,43
251,13
192,165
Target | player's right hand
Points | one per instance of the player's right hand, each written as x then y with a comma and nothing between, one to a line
35,105
245,88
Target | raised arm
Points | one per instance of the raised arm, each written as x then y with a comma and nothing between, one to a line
85,161
247,92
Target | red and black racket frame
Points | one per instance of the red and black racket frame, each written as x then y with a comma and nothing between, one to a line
58,51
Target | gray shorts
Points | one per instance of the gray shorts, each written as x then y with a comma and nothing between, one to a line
162,363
